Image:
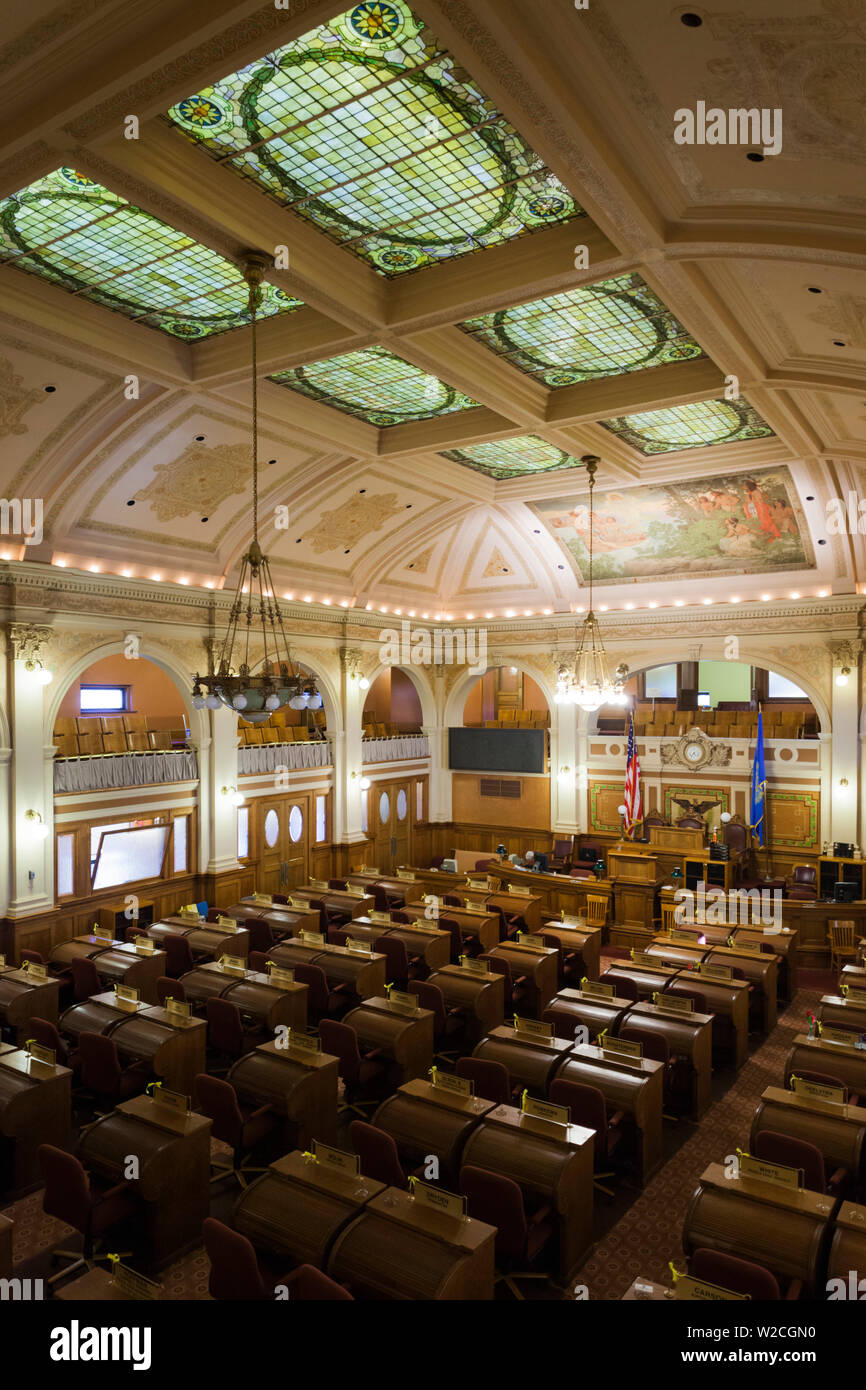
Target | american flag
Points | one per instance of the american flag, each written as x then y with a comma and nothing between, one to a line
631,799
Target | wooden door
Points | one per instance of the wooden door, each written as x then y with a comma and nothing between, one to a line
392,821
284,837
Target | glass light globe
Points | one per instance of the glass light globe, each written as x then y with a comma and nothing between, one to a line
212,701
296,702
842,678
725,817
238,798
44,676
240,702
272,702
363,683
198,702
315,701
365,784
623,810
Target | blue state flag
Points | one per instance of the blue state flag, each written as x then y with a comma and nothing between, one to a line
759,785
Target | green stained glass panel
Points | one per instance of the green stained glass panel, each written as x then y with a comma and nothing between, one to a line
67,229
375,385
599,330
513,458
695,426
368,128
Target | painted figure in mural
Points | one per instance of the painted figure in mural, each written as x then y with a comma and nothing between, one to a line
757,504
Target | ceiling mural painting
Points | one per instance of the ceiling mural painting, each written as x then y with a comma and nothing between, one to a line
720,525
375,385
368,128
600,330
69,230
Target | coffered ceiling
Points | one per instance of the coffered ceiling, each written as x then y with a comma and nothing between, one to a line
490,258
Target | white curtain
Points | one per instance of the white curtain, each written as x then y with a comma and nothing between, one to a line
124,770
267,757
385,750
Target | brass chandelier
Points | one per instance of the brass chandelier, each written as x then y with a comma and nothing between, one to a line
255,689
586,682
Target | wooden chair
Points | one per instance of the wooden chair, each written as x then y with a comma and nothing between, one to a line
65,725
90,744
270,735
67,745
135,723
840,936
160,738
668,917
112,725
302,734
596,910
114,742
252,735
137,743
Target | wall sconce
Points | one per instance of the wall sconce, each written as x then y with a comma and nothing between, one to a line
363,683
842,678
564,772
843,781
39,671
364,782
37,825
235,797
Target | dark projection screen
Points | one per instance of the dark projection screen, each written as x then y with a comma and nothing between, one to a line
496,750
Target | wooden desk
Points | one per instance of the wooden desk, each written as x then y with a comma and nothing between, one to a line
283,920
689,1036
433,947
365,974
760,970
648,979
175,1050
267,1005
835,1009
529,907
812,920
635,1089
854,975
410,890
848,1246
548,1161
397,1248
533,1062
728,1001
483,925
298,1084
839,1131
834,1059
173,1151
22,999
571,1009
407,1038
784,942
539,968
584,943
116,962
35,1108
558,892
480,998
781,1229
298,1208
424,1119
352,904
206,940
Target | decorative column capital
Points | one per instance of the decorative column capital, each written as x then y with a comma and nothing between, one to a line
29,640
843,653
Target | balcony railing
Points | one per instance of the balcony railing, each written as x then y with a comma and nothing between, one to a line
386,750
270,757
102,771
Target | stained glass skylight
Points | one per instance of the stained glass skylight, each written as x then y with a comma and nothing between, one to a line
598,330
513,458
367,127
695,426
375,385
74,232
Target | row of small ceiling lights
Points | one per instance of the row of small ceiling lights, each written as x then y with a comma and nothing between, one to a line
159,578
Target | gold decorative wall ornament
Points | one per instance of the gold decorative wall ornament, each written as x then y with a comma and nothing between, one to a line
696,750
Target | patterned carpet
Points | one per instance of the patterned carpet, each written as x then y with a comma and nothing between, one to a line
636,1235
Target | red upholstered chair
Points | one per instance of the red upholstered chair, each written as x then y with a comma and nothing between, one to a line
624,987
581,873
279,898
338,936
804,882
491,1079
461,945
242,1127
397,968
656,1048
437,861
225,1030
92,1208
516,991
34,956
562,851
337,885
234,1270
699,1000
738,1276
213,914
360,1075
322,1002
381,901
797,1153
46,1035
178,956
378,1154
452,900
448,1024
587,1108
167,988
85,980
261,933
306,1284
102,1074
399,914
132,932
520,1241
